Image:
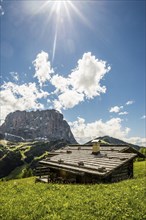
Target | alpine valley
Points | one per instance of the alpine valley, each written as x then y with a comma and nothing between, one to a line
27,137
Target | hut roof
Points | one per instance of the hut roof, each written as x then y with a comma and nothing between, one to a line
79,158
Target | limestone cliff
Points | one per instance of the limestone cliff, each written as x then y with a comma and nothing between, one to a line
34,125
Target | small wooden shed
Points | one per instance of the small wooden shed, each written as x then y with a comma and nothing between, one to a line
82,164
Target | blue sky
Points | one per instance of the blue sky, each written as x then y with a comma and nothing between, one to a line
84,58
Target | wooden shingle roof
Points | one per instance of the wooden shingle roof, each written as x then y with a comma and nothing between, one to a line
80,159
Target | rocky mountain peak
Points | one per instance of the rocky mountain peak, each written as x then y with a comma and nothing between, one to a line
34,125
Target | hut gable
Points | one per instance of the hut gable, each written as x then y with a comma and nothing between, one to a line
113,163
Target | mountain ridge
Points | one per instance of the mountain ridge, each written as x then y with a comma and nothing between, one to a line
111,140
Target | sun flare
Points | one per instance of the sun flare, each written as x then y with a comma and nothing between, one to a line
61,9
60,14
58,5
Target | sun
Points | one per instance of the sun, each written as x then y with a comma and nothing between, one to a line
60,5
61,14
59,9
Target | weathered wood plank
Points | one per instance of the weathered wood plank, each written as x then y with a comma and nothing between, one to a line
109,163
74,168
94,163
88,163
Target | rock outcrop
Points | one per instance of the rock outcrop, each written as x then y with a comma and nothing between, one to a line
37,125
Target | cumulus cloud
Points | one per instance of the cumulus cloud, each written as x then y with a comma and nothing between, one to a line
61,84
88,74
43,69
130,102
20,97
123,113
82,83
68,99
137,141
116,109
84,132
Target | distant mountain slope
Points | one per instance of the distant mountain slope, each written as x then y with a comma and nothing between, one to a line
36,125
111,140
14,155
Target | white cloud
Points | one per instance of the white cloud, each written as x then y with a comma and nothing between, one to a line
84,132
83,82
88,74
43,69
68,99
123,113
116,109
60,83
137,141
20,97
143,117
130,102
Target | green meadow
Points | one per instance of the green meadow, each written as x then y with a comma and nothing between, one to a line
23,199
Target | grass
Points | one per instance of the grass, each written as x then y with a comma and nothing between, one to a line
16,173
24,200
140,169
42,156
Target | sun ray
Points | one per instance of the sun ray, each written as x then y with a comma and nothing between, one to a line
59,17
67,12
58,7
80,15
54,44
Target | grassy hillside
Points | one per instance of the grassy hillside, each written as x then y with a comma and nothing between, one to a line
20,159
23,199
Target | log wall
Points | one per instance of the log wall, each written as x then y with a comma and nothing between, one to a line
123,172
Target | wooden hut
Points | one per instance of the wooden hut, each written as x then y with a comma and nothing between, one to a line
88,164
